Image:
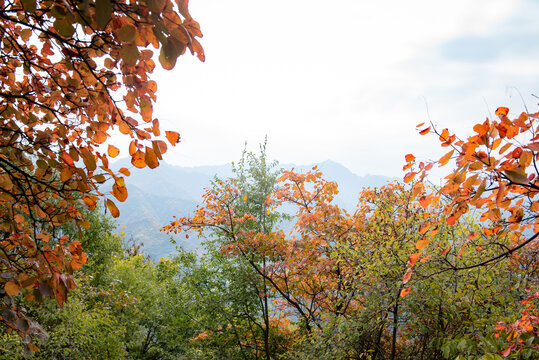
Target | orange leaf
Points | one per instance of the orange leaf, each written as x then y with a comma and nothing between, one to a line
119,192
496,143
425,201
197,48
90,201
161,145
11,288
67,159
408,177
150,158
505,147
66,174
19,218
407,276
500,194
451,220
502,111
132,148
173,137
125,171
412,259
113,151
422,243
405,291
409,157
113,209
444,159
533,146
100,137
138,159
424,228
462,249
425,131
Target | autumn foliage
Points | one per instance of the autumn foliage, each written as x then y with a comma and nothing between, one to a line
496,175
72,74
395,276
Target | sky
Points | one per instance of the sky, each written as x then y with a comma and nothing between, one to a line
346,80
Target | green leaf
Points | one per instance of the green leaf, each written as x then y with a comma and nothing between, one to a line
129,54
156,6
103,12
127,33
64,27
170,51
29,5
517,176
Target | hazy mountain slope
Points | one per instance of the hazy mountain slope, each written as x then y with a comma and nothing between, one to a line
155,196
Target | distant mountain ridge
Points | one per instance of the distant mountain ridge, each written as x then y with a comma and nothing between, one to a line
155,196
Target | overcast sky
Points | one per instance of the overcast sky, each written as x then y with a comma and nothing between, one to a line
346,80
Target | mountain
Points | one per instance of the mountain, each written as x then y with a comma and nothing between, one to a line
155,196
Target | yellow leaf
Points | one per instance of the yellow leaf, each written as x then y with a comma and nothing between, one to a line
422,243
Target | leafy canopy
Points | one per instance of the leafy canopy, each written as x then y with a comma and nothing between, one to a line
72,73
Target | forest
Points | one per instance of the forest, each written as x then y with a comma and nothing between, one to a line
417,270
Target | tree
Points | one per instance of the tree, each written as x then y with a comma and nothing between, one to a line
497,178
500,185
72,73
237,214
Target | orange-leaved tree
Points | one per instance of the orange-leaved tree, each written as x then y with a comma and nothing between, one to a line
496,180
72,73
496,176
299,271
